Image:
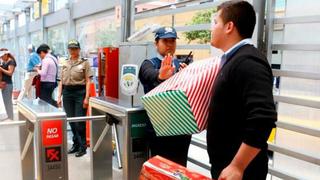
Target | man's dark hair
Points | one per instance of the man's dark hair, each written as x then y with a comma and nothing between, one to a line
242,14
43,48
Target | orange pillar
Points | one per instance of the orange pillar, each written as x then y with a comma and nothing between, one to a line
91,94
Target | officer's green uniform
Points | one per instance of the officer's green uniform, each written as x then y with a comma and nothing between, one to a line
73,77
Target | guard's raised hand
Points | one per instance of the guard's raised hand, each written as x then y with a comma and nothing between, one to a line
166,69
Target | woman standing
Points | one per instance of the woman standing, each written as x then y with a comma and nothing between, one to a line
7,69
74,89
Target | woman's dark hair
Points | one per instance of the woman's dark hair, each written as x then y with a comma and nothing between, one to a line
11,57
242,14
9,54
43,48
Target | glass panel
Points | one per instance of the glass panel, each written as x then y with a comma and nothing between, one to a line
22,20
59,4
57,40
163,4
12,24
36,38
98,32
304,61
22,48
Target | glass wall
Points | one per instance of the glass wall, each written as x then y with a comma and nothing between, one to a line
97,31
22,20
21,59
57,39
199,37
11,24
36,38
59,4
304,61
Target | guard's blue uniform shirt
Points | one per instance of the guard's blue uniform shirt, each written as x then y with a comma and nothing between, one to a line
149,72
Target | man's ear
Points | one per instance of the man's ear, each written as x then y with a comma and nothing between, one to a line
229,27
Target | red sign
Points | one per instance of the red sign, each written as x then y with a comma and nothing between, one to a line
53,154
51,132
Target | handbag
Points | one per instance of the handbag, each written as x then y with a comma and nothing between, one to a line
3,85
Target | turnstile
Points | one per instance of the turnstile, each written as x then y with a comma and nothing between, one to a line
129,134
43,141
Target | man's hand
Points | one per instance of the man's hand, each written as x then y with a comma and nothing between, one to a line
166,69
182,66
231,172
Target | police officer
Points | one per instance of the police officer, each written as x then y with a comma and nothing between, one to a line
74,87
152,73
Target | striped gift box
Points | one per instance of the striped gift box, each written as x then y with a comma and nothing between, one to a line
180,105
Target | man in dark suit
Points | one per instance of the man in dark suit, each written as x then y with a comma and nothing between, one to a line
242,111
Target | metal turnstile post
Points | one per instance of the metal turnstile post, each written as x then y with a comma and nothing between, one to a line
128,128
43,142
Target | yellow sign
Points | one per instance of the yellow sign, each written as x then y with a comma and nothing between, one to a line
45,7
36,9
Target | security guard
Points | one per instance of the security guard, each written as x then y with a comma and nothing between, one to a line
74,87
152,73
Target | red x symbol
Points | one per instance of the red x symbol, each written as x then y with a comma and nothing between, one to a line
52,154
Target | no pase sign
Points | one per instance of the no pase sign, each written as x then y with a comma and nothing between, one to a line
51,132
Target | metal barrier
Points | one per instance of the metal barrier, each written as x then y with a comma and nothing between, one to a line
42,141
130,141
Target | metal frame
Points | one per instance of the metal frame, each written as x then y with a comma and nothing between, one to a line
297,101
300,129
281,174
194,46
297,20
193,27
33,164
296,47
296,74
101,164
269,28
270,22
295,154
153,13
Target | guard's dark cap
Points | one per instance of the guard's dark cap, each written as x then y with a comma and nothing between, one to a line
73,44
166,32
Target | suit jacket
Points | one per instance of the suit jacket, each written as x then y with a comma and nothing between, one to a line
242,109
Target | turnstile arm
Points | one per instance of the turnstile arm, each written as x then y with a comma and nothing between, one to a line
26,145
104,132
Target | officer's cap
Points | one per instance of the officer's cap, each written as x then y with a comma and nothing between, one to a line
73,44
166,32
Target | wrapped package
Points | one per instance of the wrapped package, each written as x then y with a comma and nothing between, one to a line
159,168
180,105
